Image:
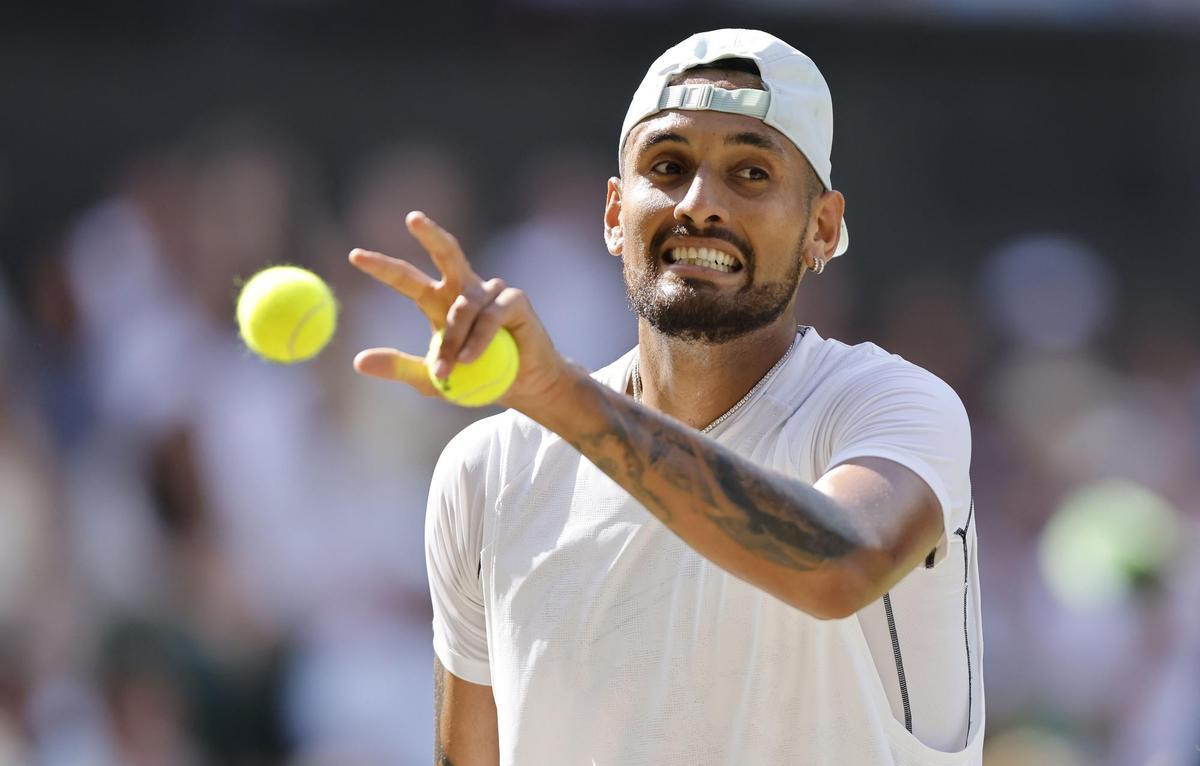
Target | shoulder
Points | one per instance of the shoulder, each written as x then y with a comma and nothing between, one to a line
844,359
867,371
485,444
855,395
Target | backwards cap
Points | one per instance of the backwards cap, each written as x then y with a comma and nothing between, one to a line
795,100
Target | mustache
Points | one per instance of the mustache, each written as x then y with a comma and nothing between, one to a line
684,230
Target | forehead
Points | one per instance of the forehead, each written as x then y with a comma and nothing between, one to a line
701,128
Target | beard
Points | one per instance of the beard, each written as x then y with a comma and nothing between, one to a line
691,310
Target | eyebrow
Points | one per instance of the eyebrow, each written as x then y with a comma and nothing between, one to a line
745,138
751,138
661,136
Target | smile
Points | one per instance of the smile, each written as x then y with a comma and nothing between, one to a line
704,256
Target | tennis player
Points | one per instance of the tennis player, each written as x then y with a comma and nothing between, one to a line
740,543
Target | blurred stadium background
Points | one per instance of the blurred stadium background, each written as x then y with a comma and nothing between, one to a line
208,560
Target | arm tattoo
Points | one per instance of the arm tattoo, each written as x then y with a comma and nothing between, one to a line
769,515
766,513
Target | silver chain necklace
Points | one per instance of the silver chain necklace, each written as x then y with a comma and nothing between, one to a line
637,385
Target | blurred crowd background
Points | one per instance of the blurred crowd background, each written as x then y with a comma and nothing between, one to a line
207,559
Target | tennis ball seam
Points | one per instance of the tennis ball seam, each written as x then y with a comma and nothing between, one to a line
503,375
487,382
292,337
264,303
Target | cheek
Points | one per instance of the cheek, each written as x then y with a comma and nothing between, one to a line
786,223
644,210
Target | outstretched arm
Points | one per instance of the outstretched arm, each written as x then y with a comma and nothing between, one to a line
829,548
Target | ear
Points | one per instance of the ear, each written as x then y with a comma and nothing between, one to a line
828,209
614,237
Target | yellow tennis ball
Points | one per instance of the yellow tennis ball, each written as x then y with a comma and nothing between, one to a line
286,314
482,381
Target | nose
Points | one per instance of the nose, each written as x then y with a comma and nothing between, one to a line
703,204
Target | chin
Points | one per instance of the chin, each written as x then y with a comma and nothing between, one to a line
697,311
703,320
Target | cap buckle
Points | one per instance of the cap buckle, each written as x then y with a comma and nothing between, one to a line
697,97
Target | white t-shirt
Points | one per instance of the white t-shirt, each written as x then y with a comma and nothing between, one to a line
608,641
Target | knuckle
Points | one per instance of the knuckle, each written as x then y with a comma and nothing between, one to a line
496,285
459,311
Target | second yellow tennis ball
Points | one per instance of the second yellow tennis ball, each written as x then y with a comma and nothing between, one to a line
286,314
482,381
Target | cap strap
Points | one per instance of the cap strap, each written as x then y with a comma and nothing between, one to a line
747,101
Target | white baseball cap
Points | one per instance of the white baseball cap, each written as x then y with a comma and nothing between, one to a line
795,100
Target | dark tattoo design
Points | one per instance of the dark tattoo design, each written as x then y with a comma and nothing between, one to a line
765,515
772,516
626,462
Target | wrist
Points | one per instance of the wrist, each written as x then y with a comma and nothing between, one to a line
559,404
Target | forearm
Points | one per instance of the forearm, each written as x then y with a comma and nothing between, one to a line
776,533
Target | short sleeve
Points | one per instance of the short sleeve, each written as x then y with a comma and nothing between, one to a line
899,412
453,541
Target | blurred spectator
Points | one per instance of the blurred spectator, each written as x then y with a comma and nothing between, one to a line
387,186
193,467
361,678
1047,293
27,576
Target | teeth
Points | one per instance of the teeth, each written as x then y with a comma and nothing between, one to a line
704,256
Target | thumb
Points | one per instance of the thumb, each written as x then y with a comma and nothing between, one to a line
390,364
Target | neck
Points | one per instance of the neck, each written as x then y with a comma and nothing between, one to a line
697,382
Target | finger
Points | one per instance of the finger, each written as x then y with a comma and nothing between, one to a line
390,364
402,277
493,316
460,320
443,248
510,309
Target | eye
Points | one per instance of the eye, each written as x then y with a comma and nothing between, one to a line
666,167
752,174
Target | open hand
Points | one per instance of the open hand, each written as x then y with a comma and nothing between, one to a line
468,309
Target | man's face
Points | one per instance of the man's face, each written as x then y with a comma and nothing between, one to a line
713,215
